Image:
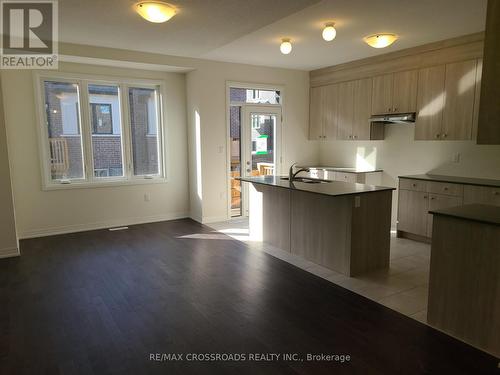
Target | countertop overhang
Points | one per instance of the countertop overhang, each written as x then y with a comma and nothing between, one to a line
482,213
455,179
333,188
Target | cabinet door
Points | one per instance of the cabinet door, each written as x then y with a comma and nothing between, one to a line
477,95
345,110
436,202
460,86
330,109
413,207
362,109
316,109
404,93
382,94
430,103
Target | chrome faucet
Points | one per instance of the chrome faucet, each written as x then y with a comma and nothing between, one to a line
292,175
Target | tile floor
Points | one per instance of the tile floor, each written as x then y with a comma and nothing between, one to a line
404,287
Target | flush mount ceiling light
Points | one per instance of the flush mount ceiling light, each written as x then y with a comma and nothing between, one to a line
329,32
285,46
380,40
155,11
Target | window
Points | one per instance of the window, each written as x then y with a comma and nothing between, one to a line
101,143
143,125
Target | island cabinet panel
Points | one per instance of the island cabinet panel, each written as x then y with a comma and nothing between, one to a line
320,228
269,215
439,201
404,93
348,234
464,282
430,103
459,100
382,94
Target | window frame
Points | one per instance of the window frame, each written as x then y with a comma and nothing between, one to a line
85,118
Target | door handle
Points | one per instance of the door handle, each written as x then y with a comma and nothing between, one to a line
248,170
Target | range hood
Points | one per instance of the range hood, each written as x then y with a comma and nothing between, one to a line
394,118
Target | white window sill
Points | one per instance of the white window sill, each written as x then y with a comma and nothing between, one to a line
106,182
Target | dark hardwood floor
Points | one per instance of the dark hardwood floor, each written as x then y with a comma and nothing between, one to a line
102,302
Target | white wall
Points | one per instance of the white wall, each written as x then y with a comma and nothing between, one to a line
206,89
399,155
44,212
8,238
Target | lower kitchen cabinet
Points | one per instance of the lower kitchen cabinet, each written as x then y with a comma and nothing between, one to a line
419,196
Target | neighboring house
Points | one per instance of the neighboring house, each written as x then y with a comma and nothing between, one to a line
64,130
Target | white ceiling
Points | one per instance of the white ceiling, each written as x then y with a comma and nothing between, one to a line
249,31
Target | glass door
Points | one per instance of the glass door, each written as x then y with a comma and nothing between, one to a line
261,144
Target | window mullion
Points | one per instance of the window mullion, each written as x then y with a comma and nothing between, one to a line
86,131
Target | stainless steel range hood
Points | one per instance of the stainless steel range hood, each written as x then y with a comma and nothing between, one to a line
394,118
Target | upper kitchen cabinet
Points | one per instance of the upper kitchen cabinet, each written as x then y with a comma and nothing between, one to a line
430,103
445,101
460,86
488,130
362,106
382,94
404,94
395,93
345,111
323,112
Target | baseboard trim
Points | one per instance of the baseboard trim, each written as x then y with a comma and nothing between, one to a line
9,252
44,232
213,219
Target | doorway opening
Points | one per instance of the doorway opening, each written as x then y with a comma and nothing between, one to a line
254,139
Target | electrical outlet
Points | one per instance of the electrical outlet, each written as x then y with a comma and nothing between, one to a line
221,149
456,157
357,201
147,198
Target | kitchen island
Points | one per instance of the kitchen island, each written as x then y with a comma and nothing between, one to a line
340,225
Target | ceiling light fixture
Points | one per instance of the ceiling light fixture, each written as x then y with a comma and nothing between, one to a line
380,40
329,32
285,46
155,11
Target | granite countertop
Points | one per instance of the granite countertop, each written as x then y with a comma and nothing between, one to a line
342,169
455,179
476,212
333,188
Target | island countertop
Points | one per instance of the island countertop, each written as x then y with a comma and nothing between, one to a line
476,212
332,188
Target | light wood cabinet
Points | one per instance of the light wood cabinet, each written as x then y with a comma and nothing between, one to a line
395,93
413,208
404,92
445,101
430,103
345,114
323,112
362,106
460,79
477,96
382,94
418,197
482,195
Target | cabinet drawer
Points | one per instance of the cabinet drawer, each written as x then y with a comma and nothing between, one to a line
445,188
415,185
481,195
